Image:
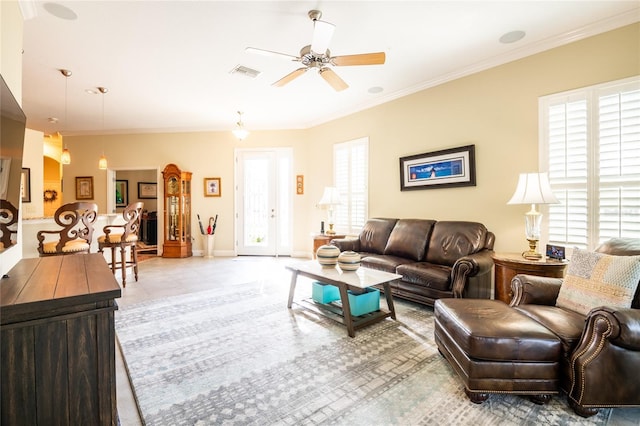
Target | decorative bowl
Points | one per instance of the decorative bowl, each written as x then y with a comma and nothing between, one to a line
349,261
328,256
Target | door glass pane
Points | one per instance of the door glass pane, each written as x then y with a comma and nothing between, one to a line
256,202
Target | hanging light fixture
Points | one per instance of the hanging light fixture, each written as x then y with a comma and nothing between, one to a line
65,157
102,163
240,132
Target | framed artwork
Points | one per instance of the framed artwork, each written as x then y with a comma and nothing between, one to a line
446,168
25,187
300,184
212,187
147,190
84,188
122,193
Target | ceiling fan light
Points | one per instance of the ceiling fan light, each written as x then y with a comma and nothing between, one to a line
322,33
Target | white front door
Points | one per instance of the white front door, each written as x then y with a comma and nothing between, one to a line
263,201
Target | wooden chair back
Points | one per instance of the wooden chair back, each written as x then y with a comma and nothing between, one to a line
76,220
124,233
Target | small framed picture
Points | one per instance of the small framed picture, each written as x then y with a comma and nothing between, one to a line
147,190
212,187
122,193
84,188
26,185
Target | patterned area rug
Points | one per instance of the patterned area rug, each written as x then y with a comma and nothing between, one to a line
238,356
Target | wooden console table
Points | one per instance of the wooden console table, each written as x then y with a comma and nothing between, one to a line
58,342
508,265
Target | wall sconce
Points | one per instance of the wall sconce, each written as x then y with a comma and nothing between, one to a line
533,188
240,132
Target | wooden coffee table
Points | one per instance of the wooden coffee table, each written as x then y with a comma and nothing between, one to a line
360,279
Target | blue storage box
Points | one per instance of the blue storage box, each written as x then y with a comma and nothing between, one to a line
324,293
364,303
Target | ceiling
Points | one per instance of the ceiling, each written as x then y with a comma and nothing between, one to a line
167,64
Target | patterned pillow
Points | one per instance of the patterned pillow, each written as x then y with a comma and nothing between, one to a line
598,279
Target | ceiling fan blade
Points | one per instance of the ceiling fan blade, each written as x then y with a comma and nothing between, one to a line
322,33
289,77
270,53
376,58
333,79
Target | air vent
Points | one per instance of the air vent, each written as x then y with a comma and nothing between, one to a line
245,71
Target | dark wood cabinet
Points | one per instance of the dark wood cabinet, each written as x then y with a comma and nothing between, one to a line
508,265
57,349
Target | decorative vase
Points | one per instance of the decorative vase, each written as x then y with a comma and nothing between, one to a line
328,256
349,261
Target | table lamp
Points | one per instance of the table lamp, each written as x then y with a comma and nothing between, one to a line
329,200
533,188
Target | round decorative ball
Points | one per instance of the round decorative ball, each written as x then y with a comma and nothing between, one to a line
328,256
349,261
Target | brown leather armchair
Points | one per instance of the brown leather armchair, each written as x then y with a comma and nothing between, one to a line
601,352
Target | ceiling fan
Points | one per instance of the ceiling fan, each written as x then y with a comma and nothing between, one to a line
317,55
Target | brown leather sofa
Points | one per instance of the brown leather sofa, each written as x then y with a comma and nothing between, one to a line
601,352
435,258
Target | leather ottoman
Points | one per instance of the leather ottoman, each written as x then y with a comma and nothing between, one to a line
496,349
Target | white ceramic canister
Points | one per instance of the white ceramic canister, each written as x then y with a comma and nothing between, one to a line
349,261
328,255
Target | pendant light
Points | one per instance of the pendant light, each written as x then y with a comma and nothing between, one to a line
240,132
102,163
65,157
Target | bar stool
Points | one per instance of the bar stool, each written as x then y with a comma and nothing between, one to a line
123,236
76,220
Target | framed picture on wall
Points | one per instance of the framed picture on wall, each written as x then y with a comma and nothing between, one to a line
26,185
212,187
147,190
84,188
122,193
439,169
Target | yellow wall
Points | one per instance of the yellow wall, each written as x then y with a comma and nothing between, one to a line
497,110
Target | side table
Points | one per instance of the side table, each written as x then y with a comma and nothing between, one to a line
322,239
508,265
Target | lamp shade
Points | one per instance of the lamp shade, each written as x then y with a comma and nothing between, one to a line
331,197
533,188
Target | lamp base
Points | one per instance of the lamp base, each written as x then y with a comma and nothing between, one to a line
532,253
330,231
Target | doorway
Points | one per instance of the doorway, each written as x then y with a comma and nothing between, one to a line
123,188
264,201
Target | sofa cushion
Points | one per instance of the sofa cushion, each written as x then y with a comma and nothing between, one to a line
374,235
597,279
383,262
409,238
426,274
451,240
565,324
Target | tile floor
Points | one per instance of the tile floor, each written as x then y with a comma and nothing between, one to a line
160,277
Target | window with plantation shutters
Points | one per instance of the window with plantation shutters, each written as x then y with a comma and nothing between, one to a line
590,145
351,177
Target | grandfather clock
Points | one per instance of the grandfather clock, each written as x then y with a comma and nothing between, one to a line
177,212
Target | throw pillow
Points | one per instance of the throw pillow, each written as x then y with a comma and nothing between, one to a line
598,279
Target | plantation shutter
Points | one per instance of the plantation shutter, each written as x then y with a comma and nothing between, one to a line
592,145
351,177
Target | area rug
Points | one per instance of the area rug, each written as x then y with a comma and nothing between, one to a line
237,356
